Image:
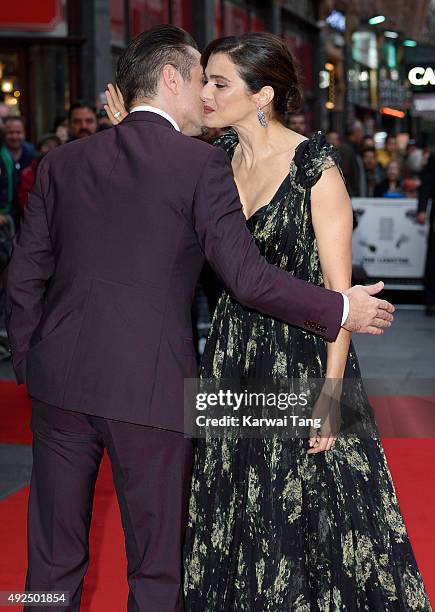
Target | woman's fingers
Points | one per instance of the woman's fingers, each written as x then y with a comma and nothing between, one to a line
320,444
110,108
120,96
109,112
115,105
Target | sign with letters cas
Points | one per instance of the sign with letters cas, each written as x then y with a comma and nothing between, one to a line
388,242
28,15
422,78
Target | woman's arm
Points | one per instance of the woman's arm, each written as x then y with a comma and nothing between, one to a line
331,211
332,217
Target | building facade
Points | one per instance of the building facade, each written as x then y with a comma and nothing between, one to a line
57,51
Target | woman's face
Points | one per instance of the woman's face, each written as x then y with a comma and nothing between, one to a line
393,171
227,102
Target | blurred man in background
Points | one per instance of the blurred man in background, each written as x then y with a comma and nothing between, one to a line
333,138
83,120
22,153
296,122
373,172
351,162
368,142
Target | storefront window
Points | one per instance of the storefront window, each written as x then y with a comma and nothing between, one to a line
49,85
10,81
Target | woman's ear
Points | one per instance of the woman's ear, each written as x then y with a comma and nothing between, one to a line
264,97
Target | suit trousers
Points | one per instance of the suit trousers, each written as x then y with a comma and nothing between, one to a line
151,471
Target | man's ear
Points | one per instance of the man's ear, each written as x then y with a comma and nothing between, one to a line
171,78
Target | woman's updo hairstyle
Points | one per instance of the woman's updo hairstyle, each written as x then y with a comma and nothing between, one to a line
262,59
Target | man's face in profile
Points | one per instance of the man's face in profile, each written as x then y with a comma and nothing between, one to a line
83,123
190,99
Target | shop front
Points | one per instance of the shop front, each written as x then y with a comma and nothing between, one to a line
420,69
38,62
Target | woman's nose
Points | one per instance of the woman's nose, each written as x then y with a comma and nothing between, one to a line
205,93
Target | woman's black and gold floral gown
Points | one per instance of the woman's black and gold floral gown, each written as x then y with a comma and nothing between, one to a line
270,528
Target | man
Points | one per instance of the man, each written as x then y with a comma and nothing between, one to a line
22,153
426,193
99,317
296,122
82,120
373,173
333,138
351,163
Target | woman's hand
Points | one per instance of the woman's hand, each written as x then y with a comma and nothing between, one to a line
115,108
328,410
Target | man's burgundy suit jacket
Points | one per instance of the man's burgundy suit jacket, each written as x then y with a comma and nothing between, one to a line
101,281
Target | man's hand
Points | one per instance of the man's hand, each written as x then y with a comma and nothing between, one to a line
421,218
3,220
367,314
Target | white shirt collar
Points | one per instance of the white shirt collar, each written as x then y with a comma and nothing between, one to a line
153,109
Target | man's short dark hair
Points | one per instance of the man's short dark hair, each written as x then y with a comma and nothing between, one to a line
13,118
368,149
140,65
81,104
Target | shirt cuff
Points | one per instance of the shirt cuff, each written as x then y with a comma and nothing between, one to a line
346,308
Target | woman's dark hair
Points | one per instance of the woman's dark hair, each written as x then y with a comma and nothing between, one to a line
262,59
141,63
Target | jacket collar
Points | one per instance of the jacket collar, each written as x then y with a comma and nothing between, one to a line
148,116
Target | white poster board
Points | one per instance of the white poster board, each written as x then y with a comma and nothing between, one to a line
388,242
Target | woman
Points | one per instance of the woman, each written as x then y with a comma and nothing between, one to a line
288,525
390,187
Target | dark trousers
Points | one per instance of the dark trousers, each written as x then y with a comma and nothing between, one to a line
151,471
429,280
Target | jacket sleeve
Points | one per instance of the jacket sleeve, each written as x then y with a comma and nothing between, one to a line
232,252
30,268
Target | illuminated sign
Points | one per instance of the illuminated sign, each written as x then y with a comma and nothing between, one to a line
420,76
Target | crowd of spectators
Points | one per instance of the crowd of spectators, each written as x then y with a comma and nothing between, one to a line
376,166
373,168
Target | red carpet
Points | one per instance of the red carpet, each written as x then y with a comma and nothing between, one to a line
412,463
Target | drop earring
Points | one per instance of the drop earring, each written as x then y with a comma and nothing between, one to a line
262,118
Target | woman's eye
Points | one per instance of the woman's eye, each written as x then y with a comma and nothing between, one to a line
219,86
